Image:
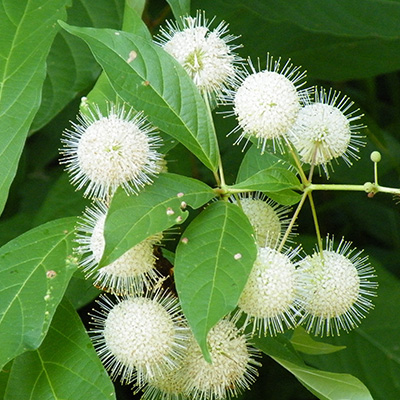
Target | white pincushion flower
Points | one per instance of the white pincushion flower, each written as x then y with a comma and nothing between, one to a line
169,386
140,337
334,289
268,219
324,130
104,152
131,273
269,297
232,369
266,103
206,55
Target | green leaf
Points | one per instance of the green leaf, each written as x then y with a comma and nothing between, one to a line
71,67
35,271
4,376
325,385
304,343
132,21
285,197
272,179
62,200
212,264
132,219
179,8
80,290
157,84
103,93
372,352
65,366
253,162
28,29
333,40
328,385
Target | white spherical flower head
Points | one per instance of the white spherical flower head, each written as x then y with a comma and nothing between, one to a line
206,55
324,130
333,291
131,273
169,386
268,219
105,152
140,337
269,297
266,103
232,369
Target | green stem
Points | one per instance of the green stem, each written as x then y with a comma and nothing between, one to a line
303,177
376,173
368,188
332,186
384,189
316,225
221,178
292,221
216,177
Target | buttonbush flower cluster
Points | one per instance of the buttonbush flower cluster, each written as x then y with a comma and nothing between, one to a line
141,332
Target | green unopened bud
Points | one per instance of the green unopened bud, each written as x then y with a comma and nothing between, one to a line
369,187
375,156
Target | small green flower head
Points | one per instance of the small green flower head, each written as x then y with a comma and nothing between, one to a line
104,152
268,219
139,338
376,156
335,287
324,130
205,54
266,103
131,273
232,369
269,297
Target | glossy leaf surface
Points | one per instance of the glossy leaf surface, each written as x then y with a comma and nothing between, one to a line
132,219
323,384
212,263
65,366
35,269
149,79
333,40
28,29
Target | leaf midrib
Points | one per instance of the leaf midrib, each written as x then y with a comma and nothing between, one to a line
156,92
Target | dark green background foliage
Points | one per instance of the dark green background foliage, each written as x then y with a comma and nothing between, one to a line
352,46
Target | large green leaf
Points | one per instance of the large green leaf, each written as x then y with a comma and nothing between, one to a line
71,67
4,375
80,290
254,162
62,200
303,342
132,219
35,269
103,94
333,40
28,28
65,366
272,179
373,352
132,21
149,79
179,8
325,385
212,263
